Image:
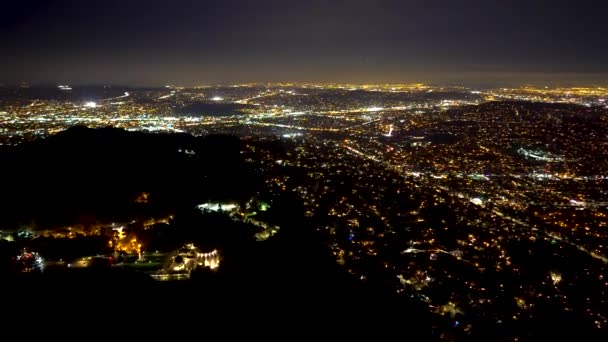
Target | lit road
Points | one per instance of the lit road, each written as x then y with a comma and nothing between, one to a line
554,236
126,94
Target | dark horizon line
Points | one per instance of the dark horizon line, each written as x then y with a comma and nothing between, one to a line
468,85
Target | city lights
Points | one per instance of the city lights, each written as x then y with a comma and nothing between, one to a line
437,192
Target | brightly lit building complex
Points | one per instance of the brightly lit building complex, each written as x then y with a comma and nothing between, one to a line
188,259
29,262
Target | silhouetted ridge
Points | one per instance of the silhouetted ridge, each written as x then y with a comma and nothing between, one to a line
98,172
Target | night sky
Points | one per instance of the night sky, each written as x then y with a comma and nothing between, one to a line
470,42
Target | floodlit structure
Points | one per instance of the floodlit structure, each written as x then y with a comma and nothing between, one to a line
188,259
30,262
217,207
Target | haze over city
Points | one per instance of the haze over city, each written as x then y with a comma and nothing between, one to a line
188,43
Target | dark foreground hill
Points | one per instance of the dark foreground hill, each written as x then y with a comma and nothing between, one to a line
288,287
83,175
268,301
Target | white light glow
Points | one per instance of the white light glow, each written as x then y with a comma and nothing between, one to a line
226,207
477,201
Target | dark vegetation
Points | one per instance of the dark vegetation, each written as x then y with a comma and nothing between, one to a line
84,176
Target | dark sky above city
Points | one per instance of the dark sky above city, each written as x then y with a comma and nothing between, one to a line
491,42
